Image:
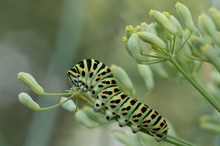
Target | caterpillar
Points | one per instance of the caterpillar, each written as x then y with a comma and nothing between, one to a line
90,75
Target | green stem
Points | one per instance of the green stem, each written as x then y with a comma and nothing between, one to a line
177,141
85,100
57,94
212,100
56,105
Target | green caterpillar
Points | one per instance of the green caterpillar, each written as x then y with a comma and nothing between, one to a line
95,77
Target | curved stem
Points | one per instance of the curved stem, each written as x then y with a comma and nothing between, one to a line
212,100
56,105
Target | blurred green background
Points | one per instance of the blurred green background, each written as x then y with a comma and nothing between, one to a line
45,38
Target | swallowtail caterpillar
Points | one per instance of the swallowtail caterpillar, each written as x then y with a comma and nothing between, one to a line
92,76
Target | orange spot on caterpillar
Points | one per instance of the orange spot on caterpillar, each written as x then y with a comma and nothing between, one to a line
123,112
98,77
144,124
135,119
112,104
120,97
104,94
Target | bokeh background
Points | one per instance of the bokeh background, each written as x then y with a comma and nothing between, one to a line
45,38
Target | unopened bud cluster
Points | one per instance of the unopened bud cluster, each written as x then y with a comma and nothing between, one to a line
163,37
205,42
166,37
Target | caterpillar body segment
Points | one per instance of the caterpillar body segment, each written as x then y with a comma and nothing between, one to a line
90,75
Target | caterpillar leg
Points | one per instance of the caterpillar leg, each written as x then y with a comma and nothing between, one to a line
98,105
109,115
135,128
158,137
122,122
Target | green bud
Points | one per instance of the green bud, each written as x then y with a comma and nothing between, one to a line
134,48
147,75
68,105
27,101
144,26
185,15
162,33
207,26
137,28
129,30
129,50
176,23
215,15
197,41
195,47
152,39
211,54
163,20
151,28
123,79
85,120
30,82
205,48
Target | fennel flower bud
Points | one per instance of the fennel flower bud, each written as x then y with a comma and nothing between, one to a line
68,105
129,30
185,15
215,15
30,82
123,79
152,28
162,20
144,26
147,75
27,101
207,26
134,48
152,39
176,23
